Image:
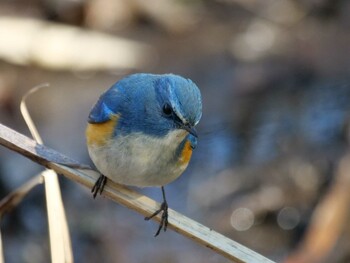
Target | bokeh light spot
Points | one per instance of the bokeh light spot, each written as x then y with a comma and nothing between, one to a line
242,219
288,218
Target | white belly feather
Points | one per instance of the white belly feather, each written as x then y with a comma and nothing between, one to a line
140,160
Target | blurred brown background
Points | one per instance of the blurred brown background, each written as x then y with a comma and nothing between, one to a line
274,80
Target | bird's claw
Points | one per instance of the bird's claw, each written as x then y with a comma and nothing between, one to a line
99,185
164,219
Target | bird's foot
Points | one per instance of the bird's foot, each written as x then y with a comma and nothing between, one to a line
164,219
99,185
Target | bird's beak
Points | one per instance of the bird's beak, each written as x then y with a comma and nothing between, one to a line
190,129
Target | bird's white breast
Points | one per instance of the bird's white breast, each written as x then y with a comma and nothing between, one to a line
140,160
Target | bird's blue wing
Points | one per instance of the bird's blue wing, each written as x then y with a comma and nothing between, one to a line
106,107
117,98
100,112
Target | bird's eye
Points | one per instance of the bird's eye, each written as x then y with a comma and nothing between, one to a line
167,109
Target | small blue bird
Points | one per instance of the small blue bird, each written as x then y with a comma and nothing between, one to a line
141,132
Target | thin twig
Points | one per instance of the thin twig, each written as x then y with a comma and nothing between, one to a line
15,197
129,198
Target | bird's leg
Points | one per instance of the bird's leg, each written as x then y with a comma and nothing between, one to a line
99,185
164,220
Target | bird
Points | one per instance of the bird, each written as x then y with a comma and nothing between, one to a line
141,132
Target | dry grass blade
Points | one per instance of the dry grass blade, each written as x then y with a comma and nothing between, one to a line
1,250
59,235
131,199
14,198
25,113
60,244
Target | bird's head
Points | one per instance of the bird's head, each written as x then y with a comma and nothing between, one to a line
159,104
179,101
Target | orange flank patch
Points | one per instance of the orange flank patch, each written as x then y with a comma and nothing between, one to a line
99,133
186,153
